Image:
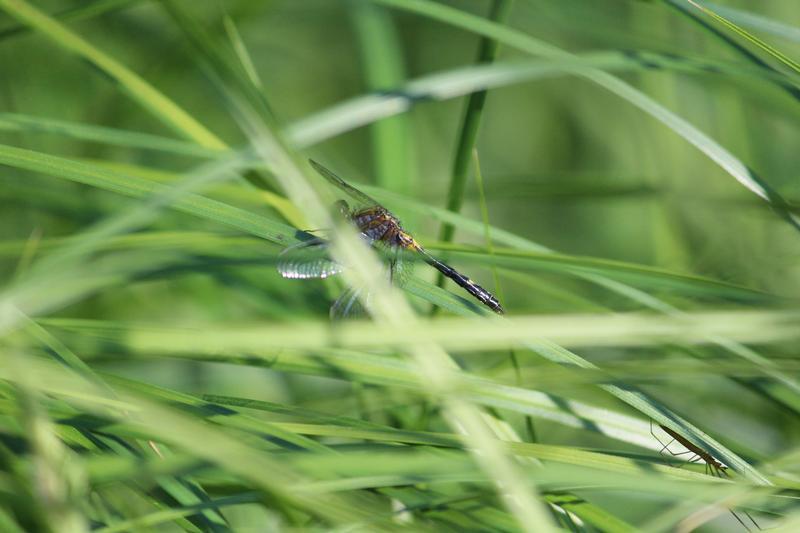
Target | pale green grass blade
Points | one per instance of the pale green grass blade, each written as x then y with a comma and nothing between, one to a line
480,334
224,66
225,417
152,341
383,65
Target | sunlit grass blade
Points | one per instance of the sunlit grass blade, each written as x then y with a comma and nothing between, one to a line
144,341
478,333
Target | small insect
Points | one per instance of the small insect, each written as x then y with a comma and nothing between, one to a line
378,226
713,466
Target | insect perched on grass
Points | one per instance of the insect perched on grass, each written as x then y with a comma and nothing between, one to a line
713,466
378,227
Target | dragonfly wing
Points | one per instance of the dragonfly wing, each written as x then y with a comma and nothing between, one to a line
307,260
401,267
343,185
348,305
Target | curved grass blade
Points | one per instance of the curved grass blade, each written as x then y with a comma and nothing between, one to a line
169,515
77,13
324,125
145,94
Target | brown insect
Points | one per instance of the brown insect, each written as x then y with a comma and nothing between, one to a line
713,466
377,225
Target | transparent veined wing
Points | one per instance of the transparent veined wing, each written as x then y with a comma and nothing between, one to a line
307,260
400,264
348,305
355,301
343,185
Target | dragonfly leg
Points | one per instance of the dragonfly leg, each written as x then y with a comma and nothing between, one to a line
393,265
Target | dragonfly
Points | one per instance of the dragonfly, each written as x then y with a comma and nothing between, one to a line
378,227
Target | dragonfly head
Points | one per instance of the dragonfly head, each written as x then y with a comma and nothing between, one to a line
340,209
405,241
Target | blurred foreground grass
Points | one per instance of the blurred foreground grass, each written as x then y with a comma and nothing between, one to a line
637,213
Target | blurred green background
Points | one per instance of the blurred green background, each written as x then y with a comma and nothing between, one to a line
567,164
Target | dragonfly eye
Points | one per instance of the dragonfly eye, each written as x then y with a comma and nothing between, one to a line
403,240
340,208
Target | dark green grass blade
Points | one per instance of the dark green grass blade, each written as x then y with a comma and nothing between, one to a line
470,124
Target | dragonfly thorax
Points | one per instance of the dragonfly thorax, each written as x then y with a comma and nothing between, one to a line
378,224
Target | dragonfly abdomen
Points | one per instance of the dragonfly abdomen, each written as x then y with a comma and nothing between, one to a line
484,296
